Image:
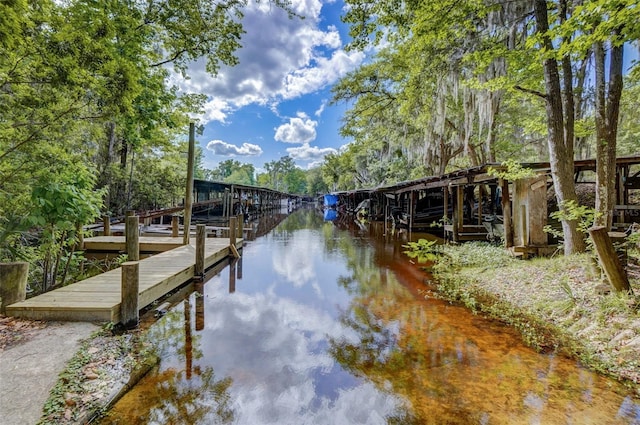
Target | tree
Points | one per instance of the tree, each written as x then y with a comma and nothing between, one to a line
488,51
61,205
610,32
560,124
84,84
315,183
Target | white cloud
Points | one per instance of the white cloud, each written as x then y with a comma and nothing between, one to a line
309,153
321,109
272,351
216,110
219,147
281,58
300,129
322,73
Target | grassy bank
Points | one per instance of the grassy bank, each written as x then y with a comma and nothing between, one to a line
558,303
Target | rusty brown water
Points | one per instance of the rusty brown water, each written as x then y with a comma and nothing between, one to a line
320,324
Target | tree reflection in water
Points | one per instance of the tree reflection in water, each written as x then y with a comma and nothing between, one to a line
451,367
174,395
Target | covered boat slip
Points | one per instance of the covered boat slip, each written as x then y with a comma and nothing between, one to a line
473,204
98,298
215,202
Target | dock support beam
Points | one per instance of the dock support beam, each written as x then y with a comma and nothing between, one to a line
132,239
240,222
201,237
106,224
188,198
506,213
175,225
233,228
130,285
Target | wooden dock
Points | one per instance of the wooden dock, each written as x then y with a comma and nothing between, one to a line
98,298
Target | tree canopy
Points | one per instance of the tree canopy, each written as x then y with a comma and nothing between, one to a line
459,83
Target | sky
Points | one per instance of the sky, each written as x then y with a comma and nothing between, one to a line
276,101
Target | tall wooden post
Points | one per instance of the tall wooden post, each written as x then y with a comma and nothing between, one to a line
445,196
188,198
175,224
458,213
128,213
233,227
130,285
231,203
506,214
609,259
13,283
132,239
412,201
524,228
106,225
201,236
240,222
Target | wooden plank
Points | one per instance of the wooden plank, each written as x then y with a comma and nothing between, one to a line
67,304
103,315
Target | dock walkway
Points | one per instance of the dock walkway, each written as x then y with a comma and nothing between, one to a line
98,298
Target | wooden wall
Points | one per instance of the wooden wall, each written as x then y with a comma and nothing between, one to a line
529,208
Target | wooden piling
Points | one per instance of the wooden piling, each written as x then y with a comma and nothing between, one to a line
458,213
240,222
128,213
106,224
506,213
608,259
233,227
188,198
201,237
132,238
13,283
130,285
445,198
175,225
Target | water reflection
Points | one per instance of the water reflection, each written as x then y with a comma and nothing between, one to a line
325,326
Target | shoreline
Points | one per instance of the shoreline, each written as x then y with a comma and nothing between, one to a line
558,304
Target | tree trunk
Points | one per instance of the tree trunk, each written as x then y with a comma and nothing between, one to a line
106,159
560,148
606,120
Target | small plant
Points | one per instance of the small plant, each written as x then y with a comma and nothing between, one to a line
571,211
423,251
568,303
441,223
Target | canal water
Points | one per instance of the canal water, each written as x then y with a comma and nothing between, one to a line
328,323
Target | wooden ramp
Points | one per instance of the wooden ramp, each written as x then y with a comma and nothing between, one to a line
98,298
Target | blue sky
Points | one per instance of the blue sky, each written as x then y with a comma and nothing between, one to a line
275,102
